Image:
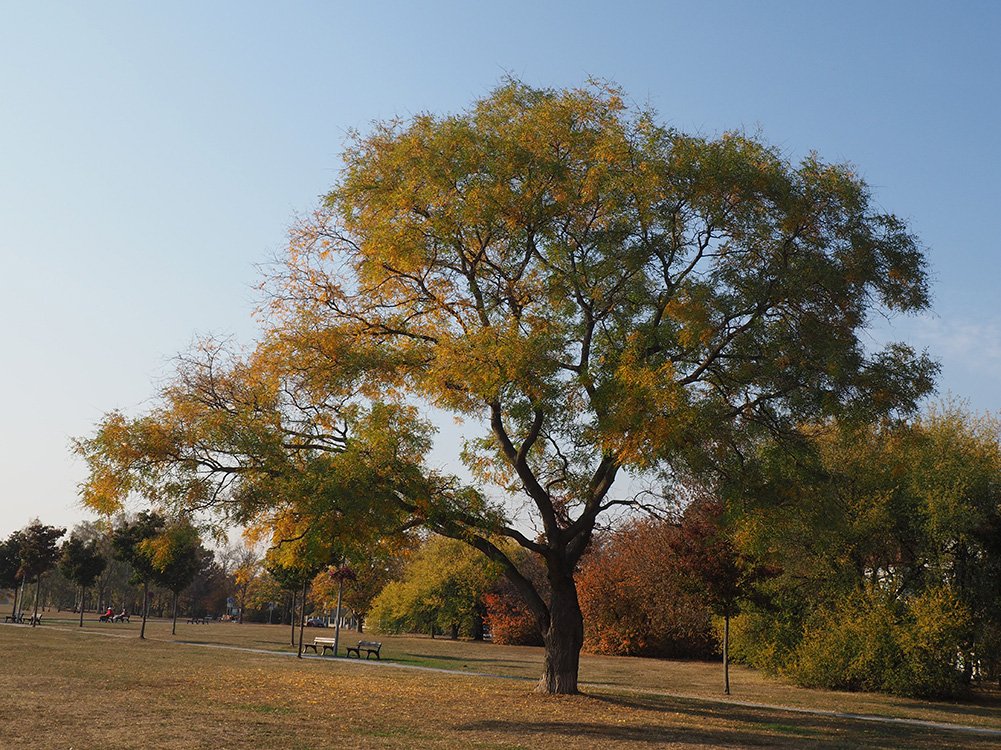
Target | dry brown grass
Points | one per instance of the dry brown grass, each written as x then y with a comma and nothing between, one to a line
82,690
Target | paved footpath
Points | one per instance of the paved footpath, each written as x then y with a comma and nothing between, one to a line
603,686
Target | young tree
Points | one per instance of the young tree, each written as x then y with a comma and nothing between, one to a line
292,573
177,557
134,543
714,568
82,563
602,294
39,553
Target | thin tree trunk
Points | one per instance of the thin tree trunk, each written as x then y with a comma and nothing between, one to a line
173,625
337,620
83,595
726,654
38,589
563,637
19,601
142,629
13,612
302,616
291,614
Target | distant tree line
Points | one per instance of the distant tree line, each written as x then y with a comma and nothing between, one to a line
141,565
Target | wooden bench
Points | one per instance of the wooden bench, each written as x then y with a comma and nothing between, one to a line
197,621
369,647
14,618
323,643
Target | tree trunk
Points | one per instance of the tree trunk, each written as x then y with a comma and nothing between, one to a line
291,614
337,620
360,623
302,616
142,629
726,654
83,595
13,611
563,638
38,589
453,631
173,625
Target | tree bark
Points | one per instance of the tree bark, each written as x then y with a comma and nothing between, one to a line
17,597
291,614
563,638
173,625
83,595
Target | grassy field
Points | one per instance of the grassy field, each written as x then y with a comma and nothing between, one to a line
103,687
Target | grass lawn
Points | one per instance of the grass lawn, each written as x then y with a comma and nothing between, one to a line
103,687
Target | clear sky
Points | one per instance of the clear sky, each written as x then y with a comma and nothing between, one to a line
152,153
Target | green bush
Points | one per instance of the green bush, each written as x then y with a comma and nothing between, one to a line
851,646
762,640
933,638
871,642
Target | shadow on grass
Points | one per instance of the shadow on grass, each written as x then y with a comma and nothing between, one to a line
686,724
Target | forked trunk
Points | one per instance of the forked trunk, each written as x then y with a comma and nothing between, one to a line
563,639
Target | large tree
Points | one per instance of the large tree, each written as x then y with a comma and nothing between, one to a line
604,295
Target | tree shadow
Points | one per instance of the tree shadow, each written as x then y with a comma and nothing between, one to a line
755,728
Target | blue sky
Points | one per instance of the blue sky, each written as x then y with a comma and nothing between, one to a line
152,153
